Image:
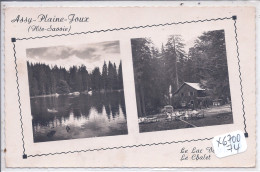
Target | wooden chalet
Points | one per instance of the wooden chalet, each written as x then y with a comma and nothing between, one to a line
190,95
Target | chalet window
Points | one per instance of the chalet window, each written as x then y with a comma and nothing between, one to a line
191,93
192,102
182,94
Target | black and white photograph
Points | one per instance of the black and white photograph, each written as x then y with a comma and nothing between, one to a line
181,80
76,91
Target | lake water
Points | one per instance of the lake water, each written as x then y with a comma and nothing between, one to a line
70,117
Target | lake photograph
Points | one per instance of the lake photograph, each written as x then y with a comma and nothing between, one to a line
76,91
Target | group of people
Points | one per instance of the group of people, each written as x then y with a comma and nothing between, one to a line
183,113
186,114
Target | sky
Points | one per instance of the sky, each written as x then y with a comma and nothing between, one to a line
188,37
91,55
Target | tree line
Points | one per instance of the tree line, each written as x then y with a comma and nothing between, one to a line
45,80
156,69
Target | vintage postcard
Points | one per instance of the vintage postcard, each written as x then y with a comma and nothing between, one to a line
130,87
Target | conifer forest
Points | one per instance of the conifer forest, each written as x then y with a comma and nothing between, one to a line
45,79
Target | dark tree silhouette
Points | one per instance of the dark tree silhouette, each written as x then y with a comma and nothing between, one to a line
45,79
63,87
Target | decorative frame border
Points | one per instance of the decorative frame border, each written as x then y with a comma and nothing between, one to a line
13,40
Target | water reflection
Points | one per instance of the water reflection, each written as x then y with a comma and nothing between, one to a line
71,117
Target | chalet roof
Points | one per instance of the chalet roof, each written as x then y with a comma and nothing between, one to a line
196,86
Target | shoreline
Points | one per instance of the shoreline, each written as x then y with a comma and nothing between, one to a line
71,94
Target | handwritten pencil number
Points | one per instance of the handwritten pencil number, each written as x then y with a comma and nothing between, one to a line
230,142
222,141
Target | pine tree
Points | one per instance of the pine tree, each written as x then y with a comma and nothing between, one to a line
120,76
115,77
173,58
96,79
141,53
210,62
73,78
110,76
84,78
104,76
63,87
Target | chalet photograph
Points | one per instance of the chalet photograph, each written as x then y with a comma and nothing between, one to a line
181,81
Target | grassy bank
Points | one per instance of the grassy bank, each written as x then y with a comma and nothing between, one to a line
213,116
